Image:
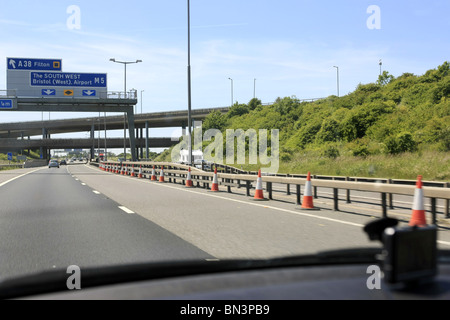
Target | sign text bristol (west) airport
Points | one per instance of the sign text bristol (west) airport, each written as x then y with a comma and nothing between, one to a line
63,79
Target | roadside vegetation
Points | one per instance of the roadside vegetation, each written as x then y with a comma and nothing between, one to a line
394,128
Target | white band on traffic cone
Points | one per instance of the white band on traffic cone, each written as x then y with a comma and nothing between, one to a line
308,189
418,199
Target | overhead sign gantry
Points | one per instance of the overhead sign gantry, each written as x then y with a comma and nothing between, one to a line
35,84
31,77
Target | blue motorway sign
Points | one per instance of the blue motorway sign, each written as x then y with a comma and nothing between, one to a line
64,79
6,104
34,64
89,93
10,156
48,92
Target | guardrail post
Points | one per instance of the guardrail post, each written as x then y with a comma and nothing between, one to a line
299,202
248,186
447,204
348,191
335,198
269,189
433,210
391,197
288,187
315,188
383,204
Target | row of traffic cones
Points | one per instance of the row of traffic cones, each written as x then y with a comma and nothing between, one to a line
123,170
418,217
418,211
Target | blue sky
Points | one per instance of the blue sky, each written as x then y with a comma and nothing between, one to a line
288,46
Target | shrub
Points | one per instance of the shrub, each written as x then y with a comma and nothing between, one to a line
331,152
238,110
403,142
329,131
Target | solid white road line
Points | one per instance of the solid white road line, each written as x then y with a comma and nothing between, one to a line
126,210
22,175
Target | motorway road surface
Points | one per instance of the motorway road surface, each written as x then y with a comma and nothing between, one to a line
50,220
80,215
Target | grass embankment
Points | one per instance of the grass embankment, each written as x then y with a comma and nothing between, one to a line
395,128
432,165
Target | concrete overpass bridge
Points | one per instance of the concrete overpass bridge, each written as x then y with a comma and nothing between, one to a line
152,120
16,145
16,136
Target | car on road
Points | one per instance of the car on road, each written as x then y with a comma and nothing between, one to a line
63,163
206,165
53,164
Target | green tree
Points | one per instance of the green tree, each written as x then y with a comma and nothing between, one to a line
255,102
384,78
403,142
215,120
329,131
237,110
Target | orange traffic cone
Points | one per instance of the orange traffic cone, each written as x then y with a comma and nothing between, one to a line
189,179
123,170
132,171
308,197
215,183
161,174
259,188
153,177
140,172
418,210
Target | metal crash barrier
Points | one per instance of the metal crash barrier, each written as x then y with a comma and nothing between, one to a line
178,173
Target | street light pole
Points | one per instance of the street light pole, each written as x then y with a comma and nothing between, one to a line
141,100
189,83
231,91
337,68
125,96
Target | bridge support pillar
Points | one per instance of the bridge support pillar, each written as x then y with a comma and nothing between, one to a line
146,140
130,116
93,143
